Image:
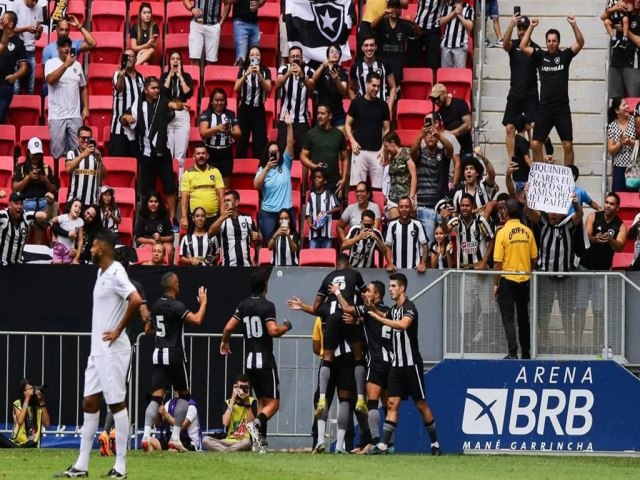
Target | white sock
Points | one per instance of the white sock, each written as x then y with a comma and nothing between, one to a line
361,398
340,439
89,429
175,432
322,396
121,421
147,432
322,428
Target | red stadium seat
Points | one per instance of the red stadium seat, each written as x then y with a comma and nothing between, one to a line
632,101
296,175
458,82
377,197
126,231
269,19
317,257
121,171
272,133
178,18
8,139
296,200
244,172
100,112
411,113
265,257
179,42
157,15
408,136
416,83
622,261
25,110
629,205
29,131
77,8
269,46
227,50
249,202
109,48
270,111
148,70
37,88
126,199
220,76
108,16
6,171
194,71
62,198
63,175
100,78
194,139
227,27
4,201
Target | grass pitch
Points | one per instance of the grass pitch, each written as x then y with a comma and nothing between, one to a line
41,464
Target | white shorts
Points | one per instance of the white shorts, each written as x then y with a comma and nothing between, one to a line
204,36
366,162
284,43
108,374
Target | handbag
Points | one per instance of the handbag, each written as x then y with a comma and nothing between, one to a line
632,173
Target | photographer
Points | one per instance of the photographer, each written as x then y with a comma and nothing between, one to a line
241,409
86,169
29,415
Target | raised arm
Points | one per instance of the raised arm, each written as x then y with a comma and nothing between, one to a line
579,43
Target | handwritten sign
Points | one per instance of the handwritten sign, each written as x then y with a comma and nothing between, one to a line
550,188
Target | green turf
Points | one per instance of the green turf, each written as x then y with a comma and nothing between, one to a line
30,464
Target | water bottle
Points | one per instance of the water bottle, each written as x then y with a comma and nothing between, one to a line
320,220
609,353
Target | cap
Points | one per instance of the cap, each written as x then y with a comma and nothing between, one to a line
636,111
106,188
35,146
437,90
523,22
16,197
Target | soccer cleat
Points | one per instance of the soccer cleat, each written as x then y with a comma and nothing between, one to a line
321,406
256,439
72,472
318,448
103,441
112,440
340,451
379,449
361,407
113,473
435,451
177,446
264,448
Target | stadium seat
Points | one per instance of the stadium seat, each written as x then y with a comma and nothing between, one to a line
143,253
62,198
632,101
296,175
108,16
265,257
77,8
148,70
100,78
126,231
29,131
622,261
244,172
4,201
270,111
227,27
377,197
227,50
272,133
194,139
220,76
178,18
109,48
629,205
269,19
37,88
8,139
411,113
416,83
317,257
121,171
296,200
408,136
6,171
249,202
25,110
126,199
100,112
157,14
194,71
63,176
458,82
269,46
179,42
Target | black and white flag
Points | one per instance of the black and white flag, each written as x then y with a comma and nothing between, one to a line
315,24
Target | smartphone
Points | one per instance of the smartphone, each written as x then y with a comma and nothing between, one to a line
516,11
428,122
73,52
92,142
284,223
254,61
124,61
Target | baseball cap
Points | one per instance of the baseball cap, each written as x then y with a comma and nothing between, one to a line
35,145
437,90
106,188
523,22
16,197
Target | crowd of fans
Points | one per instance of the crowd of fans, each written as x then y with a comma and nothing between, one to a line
323,173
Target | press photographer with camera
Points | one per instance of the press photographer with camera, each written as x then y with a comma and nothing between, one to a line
241,409
85,168
29,415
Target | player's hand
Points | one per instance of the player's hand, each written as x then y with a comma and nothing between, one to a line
110,336
334,288
294,303
224,349
202,295
349,319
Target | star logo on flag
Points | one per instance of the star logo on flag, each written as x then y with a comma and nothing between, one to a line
326,15
327,20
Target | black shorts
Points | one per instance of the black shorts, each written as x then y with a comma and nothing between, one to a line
342,372
407,381
265,382
378,374
335,331
558,116
152,168
165,376
516,106
222,159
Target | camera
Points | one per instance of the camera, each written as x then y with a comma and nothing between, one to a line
40,388
244,388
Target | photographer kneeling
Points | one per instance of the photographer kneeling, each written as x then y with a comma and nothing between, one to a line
29,415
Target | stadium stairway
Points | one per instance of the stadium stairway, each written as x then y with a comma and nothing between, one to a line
586,87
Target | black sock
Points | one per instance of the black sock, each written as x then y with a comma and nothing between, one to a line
387,430
431,429
261,421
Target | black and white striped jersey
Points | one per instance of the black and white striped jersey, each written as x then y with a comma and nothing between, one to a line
361,69
13,236
122,101
455,35
252,93
221,139
198,246
85,179
254,313
429,13
294,95
555,248
474,238
168,316
405,342
362,253
235,239
406,241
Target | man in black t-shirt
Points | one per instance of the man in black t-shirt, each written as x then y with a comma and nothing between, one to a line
368,120
553,69
455,115
523,93
169,358
258,318
12,53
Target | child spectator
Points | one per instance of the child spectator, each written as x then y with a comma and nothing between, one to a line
441,251
616,19
109,211
321,205
583,197
72,224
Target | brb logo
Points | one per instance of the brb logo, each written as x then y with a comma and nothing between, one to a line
536,410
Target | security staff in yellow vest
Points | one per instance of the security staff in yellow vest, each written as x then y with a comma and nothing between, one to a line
515,251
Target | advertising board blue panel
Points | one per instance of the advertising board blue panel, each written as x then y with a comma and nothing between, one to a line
541,406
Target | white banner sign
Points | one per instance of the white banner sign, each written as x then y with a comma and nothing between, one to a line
550,188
